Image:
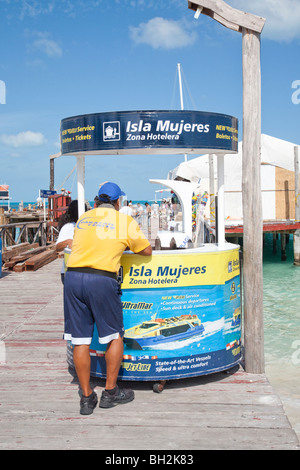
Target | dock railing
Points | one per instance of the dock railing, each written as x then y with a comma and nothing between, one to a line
32,232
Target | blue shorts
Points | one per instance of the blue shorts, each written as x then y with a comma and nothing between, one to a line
90,299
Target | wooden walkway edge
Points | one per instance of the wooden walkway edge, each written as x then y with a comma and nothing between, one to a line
39,396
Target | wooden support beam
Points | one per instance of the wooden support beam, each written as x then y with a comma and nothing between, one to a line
251,27
228,16
52,158
283,246
51,186
252,205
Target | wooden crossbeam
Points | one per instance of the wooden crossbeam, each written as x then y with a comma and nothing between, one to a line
228,16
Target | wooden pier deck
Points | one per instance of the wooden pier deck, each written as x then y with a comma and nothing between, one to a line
39,401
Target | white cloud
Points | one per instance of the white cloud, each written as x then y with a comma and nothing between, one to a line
162,33
41,41
35,8
282,16
48,47
23,139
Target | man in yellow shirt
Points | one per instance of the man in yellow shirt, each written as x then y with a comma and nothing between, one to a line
92,293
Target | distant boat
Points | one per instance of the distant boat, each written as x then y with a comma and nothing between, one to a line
162,330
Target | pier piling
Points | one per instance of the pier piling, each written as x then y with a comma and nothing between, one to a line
297,210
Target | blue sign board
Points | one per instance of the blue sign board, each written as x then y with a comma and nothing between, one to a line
45,193
152,132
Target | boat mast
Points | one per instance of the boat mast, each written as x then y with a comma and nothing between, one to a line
181,95
180,86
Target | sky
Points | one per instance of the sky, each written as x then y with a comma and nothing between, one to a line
62,58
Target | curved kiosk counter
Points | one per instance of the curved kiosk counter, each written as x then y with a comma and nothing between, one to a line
181,307
181,314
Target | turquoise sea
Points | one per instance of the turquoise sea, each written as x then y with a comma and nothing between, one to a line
15,205
281,287
282,327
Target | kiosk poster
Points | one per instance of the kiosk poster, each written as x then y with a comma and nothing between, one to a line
149,132
181,316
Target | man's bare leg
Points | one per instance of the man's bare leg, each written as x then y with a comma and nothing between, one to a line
82,361
113,357
113,395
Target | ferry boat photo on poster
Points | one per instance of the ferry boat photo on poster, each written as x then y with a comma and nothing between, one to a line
236,320
162,330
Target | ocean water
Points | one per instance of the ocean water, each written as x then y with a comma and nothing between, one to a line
15,205
281,290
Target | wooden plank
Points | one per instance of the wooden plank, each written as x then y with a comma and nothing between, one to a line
269,226
28,253
19,267
24,256
13,250
37,261
39,395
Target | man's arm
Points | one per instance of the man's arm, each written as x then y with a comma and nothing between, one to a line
62,245
146,251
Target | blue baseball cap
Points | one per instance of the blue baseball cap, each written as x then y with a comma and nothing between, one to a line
112,190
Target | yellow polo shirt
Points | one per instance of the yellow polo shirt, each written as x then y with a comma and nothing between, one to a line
101,235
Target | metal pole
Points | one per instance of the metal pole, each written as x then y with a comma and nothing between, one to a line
181,96
221,213
180,86
80,184
212,213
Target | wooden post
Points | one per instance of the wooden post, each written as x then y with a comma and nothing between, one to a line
283,246
52,157
51,186
251,27
297,210
1,215
252,205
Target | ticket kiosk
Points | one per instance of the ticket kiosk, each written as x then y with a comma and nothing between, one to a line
182,306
